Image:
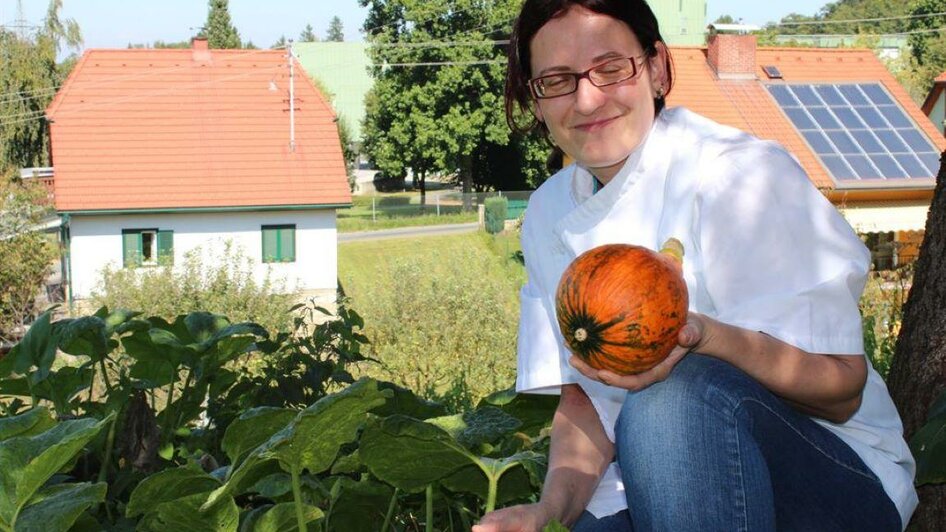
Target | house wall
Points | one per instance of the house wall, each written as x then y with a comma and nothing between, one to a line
96,241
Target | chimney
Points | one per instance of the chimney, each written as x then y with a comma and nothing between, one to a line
200,49
732,56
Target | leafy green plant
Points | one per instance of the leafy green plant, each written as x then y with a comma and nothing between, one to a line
221,284
32,449
881,307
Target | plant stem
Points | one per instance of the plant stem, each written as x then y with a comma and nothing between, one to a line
168,429
390,514
297,497
429,525
108,385
106,460
491,496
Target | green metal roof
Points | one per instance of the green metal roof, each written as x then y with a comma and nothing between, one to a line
342,68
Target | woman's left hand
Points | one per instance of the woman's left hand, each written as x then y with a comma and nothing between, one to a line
690,337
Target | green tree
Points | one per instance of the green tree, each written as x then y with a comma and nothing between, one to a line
308,34
27,253
29,77
335,31
725,19
280,43
218,29
436,107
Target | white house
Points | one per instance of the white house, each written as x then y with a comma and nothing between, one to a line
158,153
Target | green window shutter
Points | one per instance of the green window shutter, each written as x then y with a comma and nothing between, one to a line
165,247
270,244
131,248
287,244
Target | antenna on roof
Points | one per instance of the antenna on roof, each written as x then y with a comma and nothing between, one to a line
292,101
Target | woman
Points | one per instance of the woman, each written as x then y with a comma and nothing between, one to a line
767,415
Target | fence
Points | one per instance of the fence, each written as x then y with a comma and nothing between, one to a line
442,203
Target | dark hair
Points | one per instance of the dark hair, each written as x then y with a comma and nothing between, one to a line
536,13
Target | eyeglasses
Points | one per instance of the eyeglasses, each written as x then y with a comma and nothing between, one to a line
601,75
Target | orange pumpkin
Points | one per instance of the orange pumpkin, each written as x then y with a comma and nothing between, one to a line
620,307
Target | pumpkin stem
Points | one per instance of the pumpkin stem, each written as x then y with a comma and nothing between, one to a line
581,334
673,248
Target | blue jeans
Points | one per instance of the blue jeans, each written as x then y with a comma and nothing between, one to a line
711,449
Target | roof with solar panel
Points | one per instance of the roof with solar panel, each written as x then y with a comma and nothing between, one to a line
840,112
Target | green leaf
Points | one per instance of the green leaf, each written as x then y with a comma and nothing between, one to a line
322,428
360,505
348,464
27,462
406,402
185,513
533,410
120,320
84,336
483,425
56,508
282,518
311,441
273,486
410,454
36,349
252,429
166,486
28,423
517,477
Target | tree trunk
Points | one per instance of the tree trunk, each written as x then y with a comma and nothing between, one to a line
918,372
466,178
423,189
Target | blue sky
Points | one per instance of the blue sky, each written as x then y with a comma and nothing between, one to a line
115,23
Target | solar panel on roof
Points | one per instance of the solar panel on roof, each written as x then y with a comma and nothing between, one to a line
859,131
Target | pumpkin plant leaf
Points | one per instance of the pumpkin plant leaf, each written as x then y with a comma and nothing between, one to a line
512,476
409,454
85,336
321,429
36,349
282,518
252,429
360,505
407,403
166,486
28,423
55,509
191,513
533,410
483,425
27,462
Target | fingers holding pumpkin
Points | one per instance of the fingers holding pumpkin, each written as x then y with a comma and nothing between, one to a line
633,382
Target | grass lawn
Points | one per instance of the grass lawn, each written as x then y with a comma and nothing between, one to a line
441,312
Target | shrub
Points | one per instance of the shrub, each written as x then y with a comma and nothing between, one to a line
496,209
223,284
441,323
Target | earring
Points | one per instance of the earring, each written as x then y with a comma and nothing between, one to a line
660,92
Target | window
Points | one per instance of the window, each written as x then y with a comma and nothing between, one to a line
147,247
279,243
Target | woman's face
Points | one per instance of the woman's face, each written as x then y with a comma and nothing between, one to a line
597,126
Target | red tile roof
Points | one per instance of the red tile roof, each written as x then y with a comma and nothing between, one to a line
747,105
170,129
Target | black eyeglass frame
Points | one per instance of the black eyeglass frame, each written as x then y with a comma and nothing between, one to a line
636,63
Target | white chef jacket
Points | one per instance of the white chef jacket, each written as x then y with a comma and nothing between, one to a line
764,251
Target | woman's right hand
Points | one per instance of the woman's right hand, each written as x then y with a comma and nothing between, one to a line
522,518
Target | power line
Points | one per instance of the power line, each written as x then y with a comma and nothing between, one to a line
852,21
